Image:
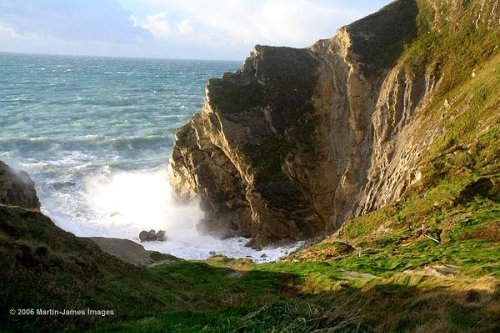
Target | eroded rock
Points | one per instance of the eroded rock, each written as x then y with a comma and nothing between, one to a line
17,188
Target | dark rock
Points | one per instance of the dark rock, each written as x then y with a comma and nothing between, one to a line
130,251
17,188
160,236
143,236
152,235
283,146
480,187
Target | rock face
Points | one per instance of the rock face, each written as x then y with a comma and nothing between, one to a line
17,188
299,140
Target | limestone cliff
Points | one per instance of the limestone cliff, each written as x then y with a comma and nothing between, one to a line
299,140
17,188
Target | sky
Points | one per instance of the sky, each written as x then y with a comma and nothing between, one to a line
182,29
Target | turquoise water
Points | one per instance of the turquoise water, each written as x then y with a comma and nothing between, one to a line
95,134
121,113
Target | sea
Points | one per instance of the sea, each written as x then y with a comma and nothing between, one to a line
95,134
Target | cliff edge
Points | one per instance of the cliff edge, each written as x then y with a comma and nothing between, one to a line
299,140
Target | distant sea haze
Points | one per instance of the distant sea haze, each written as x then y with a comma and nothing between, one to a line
95,135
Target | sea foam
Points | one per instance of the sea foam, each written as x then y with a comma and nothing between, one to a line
128,202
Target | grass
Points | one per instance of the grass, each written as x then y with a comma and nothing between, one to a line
454,41
338,284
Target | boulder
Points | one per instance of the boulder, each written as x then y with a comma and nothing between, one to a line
17,188
152,235
160,236
143,236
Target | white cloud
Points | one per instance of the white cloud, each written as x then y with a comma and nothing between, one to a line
157,24
284,22
302,23
8,30
160,27
184,27
171,28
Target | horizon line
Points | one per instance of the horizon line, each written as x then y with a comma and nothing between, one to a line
113,56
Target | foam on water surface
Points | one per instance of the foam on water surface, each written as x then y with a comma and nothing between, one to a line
125,203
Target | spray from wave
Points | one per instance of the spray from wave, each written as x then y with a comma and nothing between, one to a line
125,203
135,201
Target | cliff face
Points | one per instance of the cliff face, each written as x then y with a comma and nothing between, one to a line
17,188
299,140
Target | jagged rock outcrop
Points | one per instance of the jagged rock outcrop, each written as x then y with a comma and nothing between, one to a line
299,140
17,188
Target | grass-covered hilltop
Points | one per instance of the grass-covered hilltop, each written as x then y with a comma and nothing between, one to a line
380,147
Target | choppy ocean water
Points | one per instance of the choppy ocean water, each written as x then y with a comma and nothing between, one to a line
95,135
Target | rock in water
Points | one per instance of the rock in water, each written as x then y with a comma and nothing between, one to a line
160,236
17,188
152,235
143,236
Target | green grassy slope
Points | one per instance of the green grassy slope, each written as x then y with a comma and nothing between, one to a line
43,267
342,282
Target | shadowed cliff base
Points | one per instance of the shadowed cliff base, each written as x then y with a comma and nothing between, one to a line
299,140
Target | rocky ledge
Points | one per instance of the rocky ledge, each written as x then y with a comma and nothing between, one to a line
299,140
131,252
17,188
